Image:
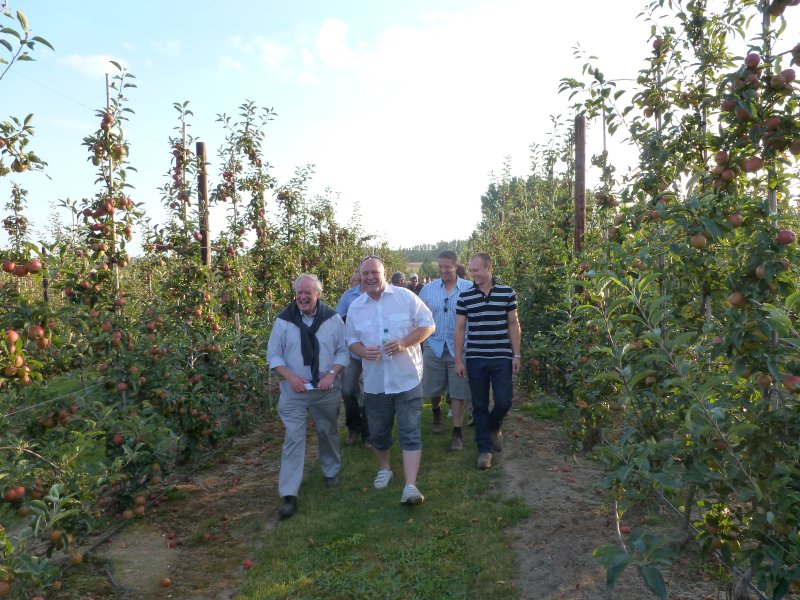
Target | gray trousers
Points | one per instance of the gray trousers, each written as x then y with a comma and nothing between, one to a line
293,410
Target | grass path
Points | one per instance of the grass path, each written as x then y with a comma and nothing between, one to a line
358,542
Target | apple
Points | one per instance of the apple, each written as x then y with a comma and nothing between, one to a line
735,219
752,164
35,332
8,266
118,439
698,240
20,271
166,582
772,123
752,60
794,146
736,299
721,157
12,336
777,82
764,380
785,237
43,342
788,75
792,382
247,564
761,272
728,104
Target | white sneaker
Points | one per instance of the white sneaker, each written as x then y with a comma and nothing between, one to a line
450,414
411,495
382,479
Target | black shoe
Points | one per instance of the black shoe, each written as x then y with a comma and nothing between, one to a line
288,507
332,481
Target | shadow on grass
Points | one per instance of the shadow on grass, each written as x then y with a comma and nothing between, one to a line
358,542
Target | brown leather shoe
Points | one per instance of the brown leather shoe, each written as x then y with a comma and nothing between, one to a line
497,440
456,443
437,422
484,460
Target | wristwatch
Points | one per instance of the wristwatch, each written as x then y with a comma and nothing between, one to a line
518,356
332,372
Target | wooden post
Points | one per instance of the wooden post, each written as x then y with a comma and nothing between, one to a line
202,196
580,182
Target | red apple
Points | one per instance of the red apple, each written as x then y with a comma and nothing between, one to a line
785,237
698,240
736,299
735,219
752,60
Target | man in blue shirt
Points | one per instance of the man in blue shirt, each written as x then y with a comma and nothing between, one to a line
354,415
440,295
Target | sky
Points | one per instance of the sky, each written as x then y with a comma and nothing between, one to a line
406,109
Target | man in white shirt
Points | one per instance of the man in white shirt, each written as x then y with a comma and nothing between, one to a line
307,349
385,327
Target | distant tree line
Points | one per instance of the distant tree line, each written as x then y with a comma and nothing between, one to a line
423,252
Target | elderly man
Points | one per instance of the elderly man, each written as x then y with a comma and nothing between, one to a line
307,350
438,355
487,325
385,327
414,284
398,278
354,416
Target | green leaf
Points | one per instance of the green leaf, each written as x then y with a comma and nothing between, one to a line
9,31
22,20
42,41
615,569
653,579
792,299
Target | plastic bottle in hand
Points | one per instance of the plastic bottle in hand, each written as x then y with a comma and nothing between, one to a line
384,341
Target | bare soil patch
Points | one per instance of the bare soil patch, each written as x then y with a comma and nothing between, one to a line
569,519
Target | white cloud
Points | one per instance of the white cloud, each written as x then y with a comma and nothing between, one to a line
226,63
331,44
95,65
270,53
169,48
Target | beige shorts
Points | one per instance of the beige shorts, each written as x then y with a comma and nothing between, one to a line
439,375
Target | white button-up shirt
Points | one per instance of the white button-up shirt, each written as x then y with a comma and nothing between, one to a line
284,349
399,311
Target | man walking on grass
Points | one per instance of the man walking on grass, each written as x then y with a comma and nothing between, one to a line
438,355
385,327
307,350
488,326
355,417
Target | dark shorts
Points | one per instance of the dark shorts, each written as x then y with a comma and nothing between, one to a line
381,411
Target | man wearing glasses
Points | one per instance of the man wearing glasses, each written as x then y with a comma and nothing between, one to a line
385,327
488,335
438,355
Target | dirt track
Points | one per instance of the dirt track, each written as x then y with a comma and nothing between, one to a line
223,511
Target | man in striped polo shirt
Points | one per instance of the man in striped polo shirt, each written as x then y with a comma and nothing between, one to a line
488,336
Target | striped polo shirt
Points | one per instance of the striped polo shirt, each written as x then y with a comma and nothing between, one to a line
487,320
